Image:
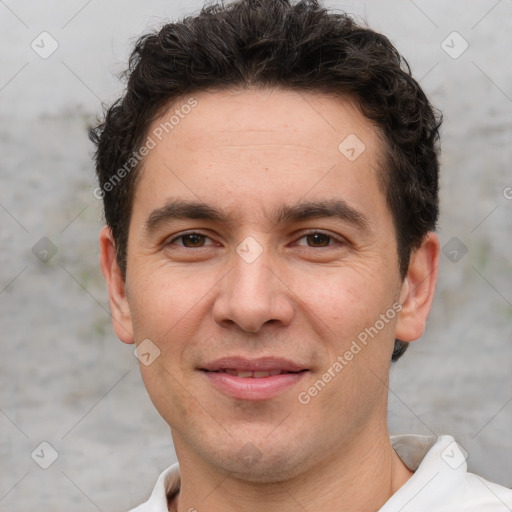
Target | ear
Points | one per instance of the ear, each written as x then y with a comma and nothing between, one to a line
119,307
418,289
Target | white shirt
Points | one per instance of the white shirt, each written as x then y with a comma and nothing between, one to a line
441,482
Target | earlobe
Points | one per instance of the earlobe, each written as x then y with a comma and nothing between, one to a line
119,307
418,289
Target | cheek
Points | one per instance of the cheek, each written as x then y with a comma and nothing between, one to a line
168,307
164,301
345,312
345,298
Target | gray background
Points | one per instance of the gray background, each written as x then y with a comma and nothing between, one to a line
66,379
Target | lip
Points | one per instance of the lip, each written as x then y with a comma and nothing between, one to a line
259,364
263,388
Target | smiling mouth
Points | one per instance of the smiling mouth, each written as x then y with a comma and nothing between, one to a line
257,374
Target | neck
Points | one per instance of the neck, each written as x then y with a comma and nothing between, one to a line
335,483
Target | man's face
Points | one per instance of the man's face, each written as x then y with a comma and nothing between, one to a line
300,261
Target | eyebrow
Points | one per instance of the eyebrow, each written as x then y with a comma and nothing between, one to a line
334,208
179,209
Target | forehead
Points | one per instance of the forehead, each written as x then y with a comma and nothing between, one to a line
244,117
264,146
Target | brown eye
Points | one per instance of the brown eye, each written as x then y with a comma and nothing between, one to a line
193,240
190,240
318,240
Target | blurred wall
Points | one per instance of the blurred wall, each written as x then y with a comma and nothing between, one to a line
67,381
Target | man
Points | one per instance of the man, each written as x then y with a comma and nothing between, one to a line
270,184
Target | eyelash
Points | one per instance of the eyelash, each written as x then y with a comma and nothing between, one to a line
309,233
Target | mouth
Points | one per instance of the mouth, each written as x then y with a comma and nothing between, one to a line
256,379
258,374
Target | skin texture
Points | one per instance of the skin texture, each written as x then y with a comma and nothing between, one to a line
247,153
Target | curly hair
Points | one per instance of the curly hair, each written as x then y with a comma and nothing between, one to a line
277,43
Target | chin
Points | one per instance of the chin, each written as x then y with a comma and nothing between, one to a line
253,465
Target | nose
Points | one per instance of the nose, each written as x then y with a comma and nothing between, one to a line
252,295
